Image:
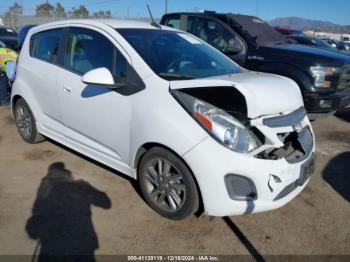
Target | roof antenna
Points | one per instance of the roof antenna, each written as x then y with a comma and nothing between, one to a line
154,23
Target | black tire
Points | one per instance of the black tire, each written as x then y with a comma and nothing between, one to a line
24,119
175,198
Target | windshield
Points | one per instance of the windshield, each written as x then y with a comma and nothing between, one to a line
264,34
175,55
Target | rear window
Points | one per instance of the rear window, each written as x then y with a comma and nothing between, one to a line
173,21
44,45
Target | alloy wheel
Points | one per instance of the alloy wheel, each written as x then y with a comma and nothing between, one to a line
24,121
165,185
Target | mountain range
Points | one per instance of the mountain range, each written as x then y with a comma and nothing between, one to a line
298,23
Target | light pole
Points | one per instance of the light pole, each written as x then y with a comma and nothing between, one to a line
166,6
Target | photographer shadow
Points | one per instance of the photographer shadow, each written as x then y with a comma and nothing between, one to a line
61,219
337,174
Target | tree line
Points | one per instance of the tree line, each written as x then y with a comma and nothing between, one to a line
47,9
57,10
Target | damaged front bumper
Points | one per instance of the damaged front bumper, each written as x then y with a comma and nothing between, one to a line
267,178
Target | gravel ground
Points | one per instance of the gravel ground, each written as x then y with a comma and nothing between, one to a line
101,211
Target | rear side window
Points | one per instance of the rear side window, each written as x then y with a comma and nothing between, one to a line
173,21
190,23
86,50
44,45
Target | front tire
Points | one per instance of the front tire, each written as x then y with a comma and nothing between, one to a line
167,184
25,122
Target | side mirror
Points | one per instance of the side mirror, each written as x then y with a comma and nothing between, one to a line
99,76
234,46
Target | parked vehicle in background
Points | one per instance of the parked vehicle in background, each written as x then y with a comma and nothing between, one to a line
311,41
347,47
322,75
9,37
288,31
23,33
340,46
166,108
345,40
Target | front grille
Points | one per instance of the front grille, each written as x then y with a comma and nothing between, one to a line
344,79
296,147
292,119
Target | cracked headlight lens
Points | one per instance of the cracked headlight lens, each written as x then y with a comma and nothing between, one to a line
226,129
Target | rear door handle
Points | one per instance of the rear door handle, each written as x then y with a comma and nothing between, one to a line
67,90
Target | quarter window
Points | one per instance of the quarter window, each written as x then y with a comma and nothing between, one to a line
87,49
173,21
120,66
45,45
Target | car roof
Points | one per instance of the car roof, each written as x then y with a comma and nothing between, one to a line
114,23
205,13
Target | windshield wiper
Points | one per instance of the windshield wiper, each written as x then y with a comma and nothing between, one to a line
174,76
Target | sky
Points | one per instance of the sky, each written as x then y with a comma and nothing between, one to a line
336,11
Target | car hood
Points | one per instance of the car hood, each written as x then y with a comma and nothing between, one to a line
292,49
265,94
8,38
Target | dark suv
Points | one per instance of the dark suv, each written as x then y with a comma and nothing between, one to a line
323,75
8,37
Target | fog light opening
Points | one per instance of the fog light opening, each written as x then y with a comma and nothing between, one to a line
240,188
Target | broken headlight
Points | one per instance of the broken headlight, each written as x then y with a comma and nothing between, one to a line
220,125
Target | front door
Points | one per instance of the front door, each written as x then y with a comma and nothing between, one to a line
96,117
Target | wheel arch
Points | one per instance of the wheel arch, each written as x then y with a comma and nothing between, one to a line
15,98
147,146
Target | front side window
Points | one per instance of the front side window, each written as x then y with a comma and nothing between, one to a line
120,66
45,45
214,33
86,50
172,54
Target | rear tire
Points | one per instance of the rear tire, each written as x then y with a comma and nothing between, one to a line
167,184
25,122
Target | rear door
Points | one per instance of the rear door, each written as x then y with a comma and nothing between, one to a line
41,73
96,118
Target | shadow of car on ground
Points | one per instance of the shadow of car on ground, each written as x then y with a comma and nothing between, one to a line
337,174
345,115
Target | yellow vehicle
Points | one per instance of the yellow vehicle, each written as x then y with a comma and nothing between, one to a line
6,55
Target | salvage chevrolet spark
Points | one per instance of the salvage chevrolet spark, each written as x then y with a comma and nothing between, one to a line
169,110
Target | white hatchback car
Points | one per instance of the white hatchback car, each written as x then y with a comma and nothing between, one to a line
165,108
